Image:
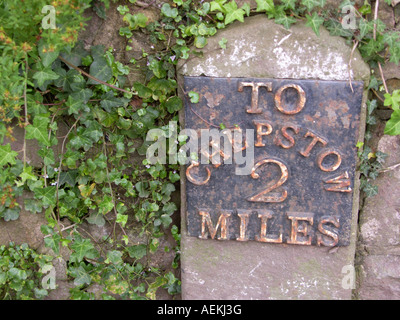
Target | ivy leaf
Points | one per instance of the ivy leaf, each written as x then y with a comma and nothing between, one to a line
233,13
106,205
370,190
27,174
393,125
47,54
365,27
47,195
114,257
265,5
218,5
81,276
44,74
76,55
47,155
395,53
390,38
309,4
392,100
288,4
53,242
100,70
335,29
96,218
38,130
285,20
314,21
109,101
75,105
82,248
7,155
68,177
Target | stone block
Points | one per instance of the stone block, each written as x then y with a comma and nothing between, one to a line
214,269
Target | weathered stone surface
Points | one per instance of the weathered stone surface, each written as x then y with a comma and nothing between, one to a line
295,53
24,230
233,270
381,278
380,230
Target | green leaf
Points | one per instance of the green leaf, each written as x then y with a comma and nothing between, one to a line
27,174
285,20
47,195
174,104
142,91
233,13
157,68
75,105
11,214
81,276
7,155
169,12
82,248
200,42
309,4
44,74
392,100
96,218
47,155
114,257
314,21
100,70
194,97
47,54
109,101
38,130
265,5
393,125
218,5
222,43
137,251
395,53
53,242
288,4
68,177
391,38
33,205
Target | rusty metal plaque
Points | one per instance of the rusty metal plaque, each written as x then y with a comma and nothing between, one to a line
274,159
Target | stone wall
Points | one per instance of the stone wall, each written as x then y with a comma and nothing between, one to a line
273,271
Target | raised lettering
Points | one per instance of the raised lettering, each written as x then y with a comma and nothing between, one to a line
244,221
307,219
254,93
331,167
285,134
265,216
325,232
206,219
314,141
301,100
260,124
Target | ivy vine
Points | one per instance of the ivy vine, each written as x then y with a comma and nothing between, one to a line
75,105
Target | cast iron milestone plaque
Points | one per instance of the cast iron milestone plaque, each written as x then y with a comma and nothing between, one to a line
274,159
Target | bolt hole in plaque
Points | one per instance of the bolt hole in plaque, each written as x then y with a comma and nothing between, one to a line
280,168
